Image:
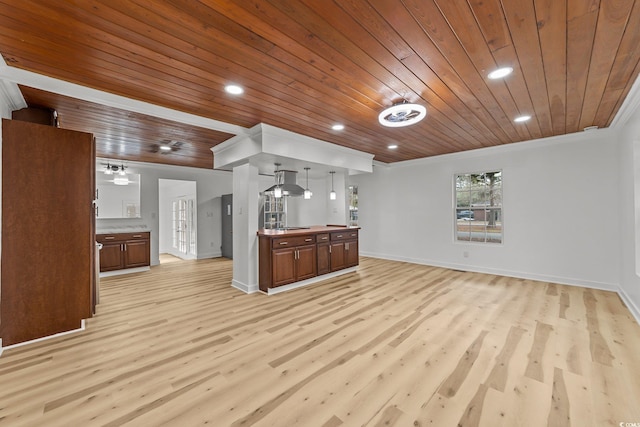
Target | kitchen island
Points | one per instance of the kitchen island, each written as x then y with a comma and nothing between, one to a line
298,256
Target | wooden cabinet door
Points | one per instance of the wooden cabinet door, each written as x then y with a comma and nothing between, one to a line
47,235
324,259
136,253
111,256
306,267
283,266
351,258
337,256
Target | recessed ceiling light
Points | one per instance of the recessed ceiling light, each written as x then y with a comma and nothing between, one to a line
165,148
402,114
392,146
338,126
234,89
521,119
500,73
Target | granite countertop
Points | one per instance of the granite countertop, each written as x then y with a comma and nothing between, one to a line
314,229
123,229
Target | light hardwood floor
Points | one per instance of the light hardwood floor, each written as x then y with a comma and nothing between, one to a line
392,344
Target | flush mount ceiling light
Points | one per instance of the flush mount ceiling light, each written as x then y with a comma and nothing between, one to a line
234,89
338,126
521,119
402,114
500,73
392,146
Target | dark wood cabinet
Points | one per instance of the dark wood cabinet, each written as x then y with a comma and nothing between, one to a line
289,257
344,249
323,254
48,177
124,250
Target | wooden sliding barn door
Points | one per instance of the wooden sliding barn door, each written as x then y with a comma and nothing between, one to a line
48,178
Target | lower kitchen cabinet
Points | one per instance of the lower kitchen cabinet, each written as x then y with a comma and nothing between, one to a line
124,250
289,257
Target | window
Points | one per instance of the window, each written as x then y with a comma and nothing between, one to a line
478,211
353,205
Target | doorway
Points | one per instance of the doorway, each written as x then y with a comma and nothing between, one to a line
178,225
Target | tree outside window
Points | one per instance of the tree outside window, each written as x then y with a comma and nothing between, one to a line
478,208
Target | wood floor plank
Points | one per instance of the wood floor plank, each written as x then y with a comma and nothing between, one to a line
391,344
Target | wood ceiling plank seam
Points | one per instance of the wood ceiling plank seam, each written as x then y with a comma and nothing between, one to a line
623,69
147,123
581,29
452,142
522,23
293,104
443,37
612,20
261,61
269,27
451,104
464,26
436,106
97,126
492,23
551,16
407,29
371,18
623,94
321,29
118,69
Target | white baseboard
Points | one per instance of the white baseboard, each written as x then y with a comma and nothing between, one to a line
279,289
247,289
613,287
206,255
633,308
125,271
60,334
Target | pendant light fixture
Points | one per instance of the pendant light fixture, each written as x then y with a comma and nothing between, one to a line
307,192
277,192
332,195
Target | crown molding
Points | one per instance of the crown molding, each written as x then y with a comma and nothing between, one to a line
629,108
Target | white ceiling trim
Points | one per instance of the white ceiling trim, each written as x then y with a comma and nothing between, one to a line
11,93
61,87
630,106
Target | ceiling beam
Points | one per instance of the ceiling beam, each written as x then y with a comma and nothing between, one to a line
50,84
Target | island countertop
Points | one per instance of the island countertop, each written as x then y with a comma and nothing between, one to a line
298,231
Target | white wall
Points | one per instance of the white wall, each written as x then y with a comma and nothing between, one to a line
629,224
305,212
211,185
560,204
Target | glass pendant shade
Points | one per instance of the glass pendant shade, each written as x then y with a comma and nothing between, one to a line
332,195
277,192
307,192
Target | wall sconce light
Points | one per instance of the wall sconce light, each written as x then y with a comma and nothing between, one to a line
332,195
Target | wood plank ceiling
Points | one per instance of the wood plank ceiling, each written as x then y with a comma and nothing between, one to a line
306,65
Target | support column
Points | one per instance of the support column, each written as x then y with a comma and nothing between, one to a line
245,226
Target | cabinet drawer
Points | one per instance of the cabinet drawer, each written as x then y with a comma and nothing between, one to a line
121,237
344,235
285,242
321,238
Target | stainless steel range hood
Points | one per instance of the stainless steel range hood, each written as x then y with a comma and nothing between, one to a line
287,181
